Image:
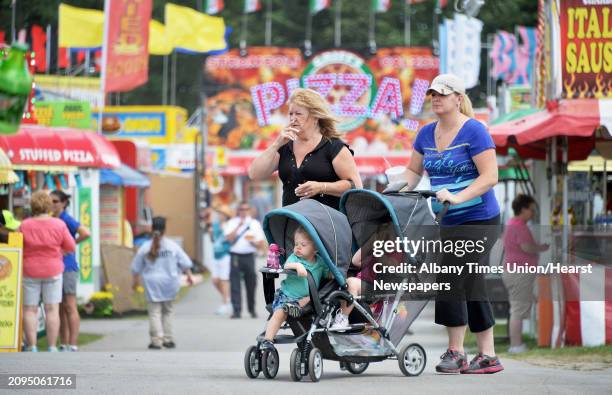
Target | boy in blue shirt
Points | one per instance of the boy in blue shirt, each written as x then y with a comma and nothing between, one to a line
293,293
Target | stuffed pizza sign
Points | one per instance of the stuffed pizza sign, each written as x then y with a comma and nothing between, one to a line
586,48
380,102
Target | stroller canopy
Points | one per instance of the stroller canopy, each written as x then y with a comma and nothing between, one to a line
366,209
328,228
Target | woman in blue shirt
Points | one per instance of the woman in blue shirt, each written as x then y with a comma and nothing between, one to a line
458,155
69,313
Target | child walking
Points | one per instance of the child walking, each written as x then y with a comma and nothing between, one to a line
160,263
293,293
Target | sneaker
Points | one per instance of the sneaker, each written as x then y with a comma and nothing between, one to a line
30,349
266,345
221,310
452,362
518,349
235,316
341,321
63,348
484,364
52,349
169,344
73,348
292,310
253,314
154,347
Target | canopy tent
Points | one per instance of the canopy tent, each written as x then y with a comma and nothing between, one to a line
576,119
51,146
124,176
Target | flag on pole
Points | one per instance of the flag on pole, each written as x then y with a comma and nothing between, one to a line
252,6
159,42
212,7
80,27
381,5
441,3
318,5
193,31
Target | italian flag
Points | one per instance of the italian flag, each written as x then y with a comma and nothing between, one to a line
381,5
251,6
212,7
318,5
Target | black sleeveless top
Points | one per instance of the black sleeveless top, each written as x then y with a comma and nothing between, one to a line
316,166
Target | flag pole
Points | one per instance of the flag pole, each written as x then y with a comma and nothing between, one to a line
372,33
103,69
243,38
407,22
268,40
308,40
338,24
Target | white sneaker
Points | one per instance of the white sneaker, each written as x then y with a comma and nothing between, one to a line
221,310
341,321
73,348
518,349
63,348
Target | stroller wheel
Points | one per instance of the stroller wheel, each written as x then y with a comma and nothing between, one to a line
269,362
315,365
357,368
295,365
412,360
251,362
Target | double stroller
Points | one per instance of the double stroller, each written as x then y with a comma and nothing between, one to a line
377,327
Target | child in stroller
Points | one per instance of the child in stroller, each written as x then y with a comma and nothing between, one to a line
293,293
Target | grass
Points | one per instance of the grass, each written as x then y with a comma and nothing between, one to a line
84,338
576,358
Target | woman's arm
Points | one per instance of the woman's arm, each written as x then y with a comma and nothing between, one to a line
486,163
83,233
414,171
267,162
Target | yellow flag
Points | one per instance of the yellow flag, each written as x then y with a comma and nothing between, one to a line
159,42
80,27
194,31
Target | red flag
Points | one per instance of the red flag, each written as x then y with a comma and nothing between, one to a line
126,44
39,41
1,37
63,58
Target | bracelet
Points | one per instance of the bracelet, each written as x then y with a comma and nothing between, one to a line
324,189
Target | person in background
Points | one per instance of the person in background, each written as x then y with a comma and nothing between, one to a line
159,264
69,313
45,241
521,249
220,270
246,236
260,202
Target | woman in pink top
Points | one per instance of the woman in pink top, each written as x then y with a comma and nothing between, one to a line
45,240
520,249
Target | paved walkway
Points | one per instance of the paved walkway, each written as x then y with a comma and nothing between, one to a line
209,359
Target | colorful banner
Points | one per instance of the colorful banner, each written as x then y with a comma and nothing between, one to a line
252,6
111,215
460,48
381,5
10,293
85,257
72,114
519,98
380,101
212,7
155,124
318,5
48,87
586,49
126,44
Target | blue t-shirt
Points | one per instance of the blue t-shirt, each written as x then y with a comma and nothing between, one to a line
70,263
454,169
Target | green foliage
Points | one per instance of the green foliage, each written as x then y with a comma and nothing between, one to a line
288,30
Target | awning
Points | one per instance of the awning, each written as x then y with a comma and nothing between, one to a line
124,176
576,119
50,146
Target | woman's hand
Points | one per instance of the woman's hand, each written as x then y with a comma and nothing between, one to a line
444,195
288,133
308,189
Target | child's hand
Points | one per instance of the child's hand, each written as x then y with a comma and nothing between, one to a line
301,271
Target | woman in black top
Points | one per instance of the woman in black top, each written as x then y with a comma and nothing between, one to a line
312,161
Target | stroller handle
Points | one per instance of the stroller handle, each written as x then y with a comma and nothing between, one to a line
396,189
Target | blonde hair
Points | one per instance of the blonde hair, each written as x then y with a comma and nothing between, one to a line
466,106
40,203
318,108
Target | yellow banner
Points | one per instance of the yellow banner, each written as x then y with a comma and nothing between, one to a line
10,293
80,27
194,31
159,42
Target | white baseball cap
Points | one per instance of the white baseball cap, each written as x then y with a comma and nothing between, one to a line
445,84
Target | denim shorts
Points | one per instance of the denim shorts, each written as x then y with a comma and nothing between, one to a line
280,299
